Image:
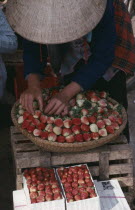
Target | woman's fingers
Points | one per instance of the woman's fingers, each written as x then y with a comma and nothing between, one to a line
60,109
40,102
65,111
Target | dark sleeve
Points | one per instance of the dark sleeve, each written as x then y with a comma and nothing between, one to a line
102,49
34,60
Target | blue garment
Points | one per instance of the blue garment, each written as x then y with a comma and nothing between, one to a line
8,44
102,49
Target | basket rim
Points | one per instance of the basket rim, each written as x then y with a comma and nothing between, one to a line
45,144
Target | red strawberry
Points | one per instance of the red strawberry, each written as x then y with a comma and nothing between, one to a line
84,112
95,99
84,195
85,128
100,109
115,125
36,122
115,113
49,128
57,130
92,119
93,195
119,121
76,121
70,139
90,94
102,103
103,94
87,136
79,138
100,124
75,191
50,120
26,115
52,136
41,126
30,128
25,124
58,122
31,118
107,121
37,114
67,123
61,139
36,132
85,120
69,195
66,132
76,129
95,136
43,118
110,129
112,118
102,132
44,135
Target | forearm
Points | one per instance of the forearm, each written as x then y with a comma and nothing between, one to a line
33,81
71,90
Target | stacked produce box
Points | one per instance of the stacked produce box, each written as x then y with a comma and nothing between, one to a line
64,188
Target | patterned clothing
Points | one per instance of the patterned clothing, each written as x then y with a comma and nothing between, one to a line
8,44
125,42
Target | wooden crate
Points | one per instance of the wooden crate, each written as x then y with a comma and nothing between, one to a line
111,161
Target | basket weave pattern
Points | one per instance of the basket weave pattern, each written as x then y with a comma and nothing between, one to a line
70,147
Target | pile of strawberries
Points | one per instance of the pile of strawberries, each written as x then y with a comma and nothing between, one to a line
77,183
91,118
42,185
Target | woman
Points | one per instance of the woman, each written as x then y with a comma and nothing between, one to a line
97,47
8,44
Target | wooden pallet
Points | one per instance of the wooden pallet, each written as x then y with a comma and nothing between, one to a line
111,161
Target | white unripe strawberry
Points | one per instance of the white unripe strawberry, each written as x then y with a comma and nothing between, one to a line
93,128
20,120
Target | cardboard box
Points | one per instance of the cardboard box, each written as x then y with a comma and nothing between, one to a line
87,204
47,205
19,200
111,195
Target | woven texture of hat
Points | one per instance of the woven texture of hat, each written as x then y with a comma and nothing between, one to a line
54,21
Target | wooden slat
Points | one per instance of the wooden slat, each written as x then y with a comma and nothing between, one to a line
125,181
19,182
33,159
19,137
116,169
25,147
14,130
104,165
117,152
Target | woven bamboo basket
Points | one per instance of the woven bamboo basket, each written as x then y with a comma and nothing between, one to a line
70,147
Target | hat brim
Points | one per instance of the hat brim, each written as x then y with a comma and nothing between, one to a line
53,22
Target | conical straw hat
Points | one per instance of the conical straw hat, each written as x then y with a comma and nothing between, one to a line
54,21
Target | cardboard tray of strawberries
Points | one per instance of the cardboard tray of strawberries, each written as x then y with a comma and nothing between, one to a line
94,120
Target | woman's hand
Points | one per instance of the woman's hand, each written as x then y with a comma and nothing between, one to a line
60,103
33,92
29,96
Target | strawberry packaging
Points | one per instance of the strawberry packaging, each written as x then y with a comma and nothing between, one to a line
78,187
42,189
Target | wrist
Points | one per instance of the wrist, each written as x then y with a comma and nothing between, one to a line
71,90
33,81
